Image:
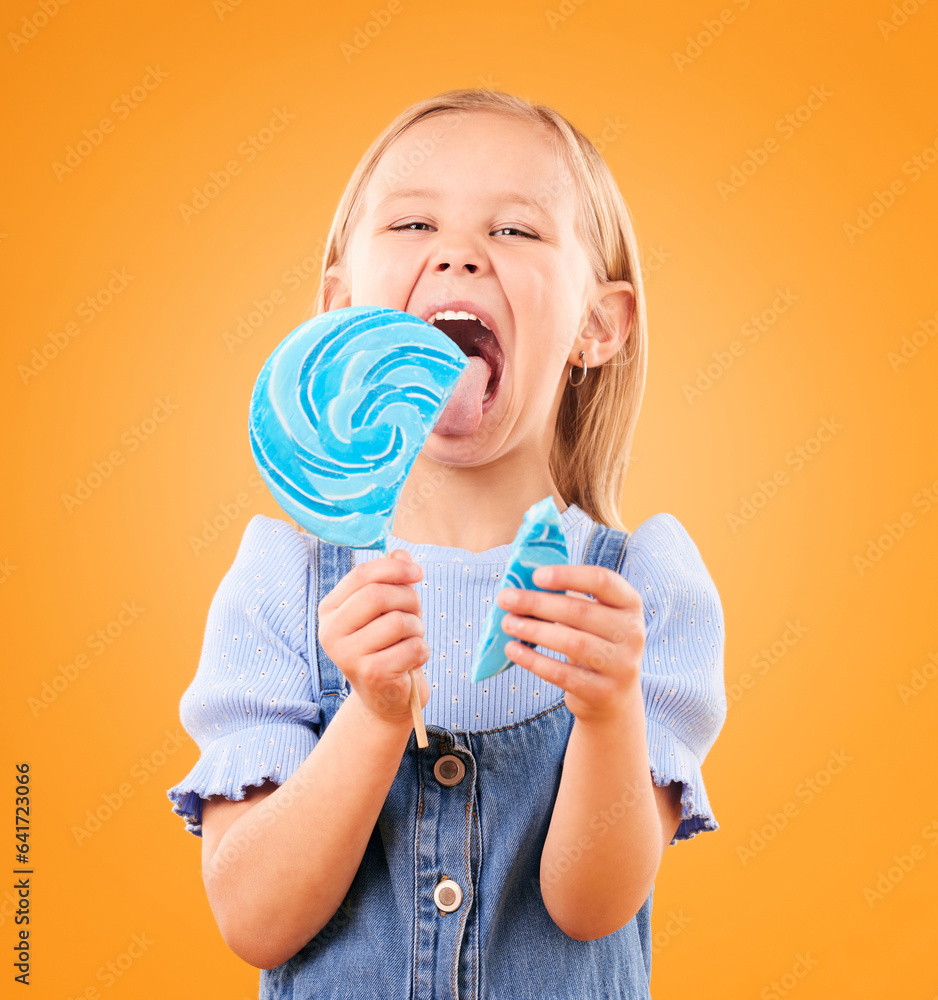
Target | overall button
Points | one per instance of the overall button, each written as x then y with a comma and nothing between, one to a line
447,895
449,770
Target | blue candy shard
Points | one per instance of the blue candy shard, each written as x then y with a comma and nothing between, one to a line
540,542
339,413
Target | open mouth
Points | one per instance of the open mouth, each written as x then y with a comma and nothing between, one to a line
474,339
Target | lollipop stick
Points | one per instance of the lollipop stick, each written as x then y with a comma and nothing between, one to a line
416,711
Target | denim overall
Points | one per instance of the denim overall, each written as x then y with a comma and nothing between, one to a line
389,940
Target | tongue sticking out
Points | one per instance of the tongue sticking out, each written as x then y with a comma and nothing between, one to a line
463,412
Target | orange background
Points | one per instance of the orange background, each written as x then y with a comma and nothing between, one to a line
727,923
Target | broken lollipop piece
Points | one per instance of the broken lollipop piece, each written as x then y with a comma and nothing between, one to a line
540,541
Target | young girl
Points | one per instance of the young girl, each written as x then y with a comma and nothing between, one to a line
515,856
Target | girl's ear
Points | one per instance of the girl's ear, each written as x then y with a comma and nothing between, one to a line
608,325
335,288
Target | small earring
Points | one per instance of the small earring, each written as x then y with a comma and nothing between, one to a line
572,367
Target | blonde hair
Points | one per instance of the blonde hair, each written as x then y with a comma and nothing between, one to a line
596,421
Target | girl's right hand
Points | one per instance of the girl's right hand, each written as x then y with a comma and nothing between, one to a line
370,627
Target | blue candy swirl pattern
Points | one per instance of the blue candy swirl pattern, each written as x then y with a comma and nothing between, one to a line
540,541
340,411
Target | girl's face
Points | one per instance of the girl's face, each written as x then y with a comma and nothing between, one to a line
475,212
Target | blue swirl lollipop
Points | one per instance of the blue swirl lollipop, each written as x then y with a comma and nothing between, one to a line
540,541
341,410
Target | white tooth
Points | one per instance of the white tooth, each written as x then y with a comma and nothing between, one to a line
461,314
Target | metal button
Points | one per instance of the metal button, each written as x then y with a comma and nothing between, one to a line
449,770
447,895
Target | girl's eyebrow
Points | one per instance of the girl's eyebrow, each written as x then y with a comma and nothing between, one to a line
407,193
503,197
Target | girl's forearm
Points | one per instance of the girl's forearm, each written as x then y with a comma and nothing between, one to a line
283,867
603,845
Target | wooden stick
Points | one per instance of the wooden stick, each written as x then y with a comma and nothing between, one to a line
416,710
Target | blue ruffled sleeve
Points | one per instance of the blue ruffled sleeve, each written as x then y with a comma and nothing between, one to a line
251,707
682,669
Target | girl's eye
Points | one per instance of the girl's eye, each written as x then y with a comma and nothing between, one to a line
408,226
520,232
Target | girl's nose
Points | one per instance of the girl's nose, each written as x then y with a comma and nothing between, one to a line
458,254
444,265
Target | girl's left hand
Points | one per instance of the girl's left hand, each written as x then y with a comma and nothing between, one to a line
602,639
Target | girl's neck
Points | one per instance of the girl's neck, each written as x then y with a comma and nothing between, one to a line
474,508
